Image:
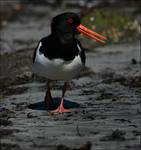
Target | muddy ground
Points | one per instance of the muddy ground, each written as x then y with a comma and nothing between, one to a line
106,95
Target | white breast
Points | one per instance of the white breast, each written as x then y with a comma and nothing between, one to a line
56,69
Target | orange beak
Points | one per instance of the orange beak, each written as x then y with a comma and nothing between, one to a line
91,34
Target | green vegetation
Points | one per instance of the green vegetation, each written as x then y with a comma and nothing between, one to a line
107,18
114,23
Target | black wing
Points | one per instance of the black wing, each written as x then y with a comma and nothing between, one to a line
34,54
82,53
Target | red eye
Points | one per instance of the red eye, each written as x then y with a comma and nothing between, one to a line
69,20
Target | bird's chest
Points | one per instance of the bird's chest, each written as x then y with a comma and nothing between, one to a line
65,53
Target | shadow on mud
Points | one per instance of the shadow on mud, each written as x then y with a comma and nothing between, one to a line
55,103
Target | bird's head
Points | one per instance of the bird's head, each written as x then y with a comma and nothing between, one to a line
66,25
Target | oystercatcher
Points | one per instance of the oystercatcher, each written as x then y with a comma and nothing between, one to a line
60,55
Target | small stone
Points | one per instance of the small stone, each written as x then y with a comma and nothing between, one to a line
134,61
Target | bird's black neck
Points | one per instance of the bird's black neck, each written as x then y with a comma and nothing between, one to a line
52,48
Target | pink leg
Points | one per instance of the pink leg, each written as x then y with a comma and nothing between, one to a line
48,97
61,108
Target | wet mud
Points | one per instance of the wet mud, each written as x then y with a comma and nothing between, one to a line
108,114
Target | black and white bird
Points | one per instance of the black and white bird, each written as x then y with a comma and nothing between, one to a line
60,56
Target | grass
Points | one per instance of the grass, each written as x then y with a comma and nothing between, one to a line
110,22
107,17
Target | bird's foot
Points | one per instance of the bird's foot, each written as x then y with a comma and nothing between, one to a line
60,108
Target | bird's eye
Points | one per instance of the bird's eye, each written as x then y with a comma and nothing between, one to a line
69,20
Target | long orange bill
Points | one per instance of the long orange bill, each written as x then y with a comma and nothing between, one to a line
91,34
